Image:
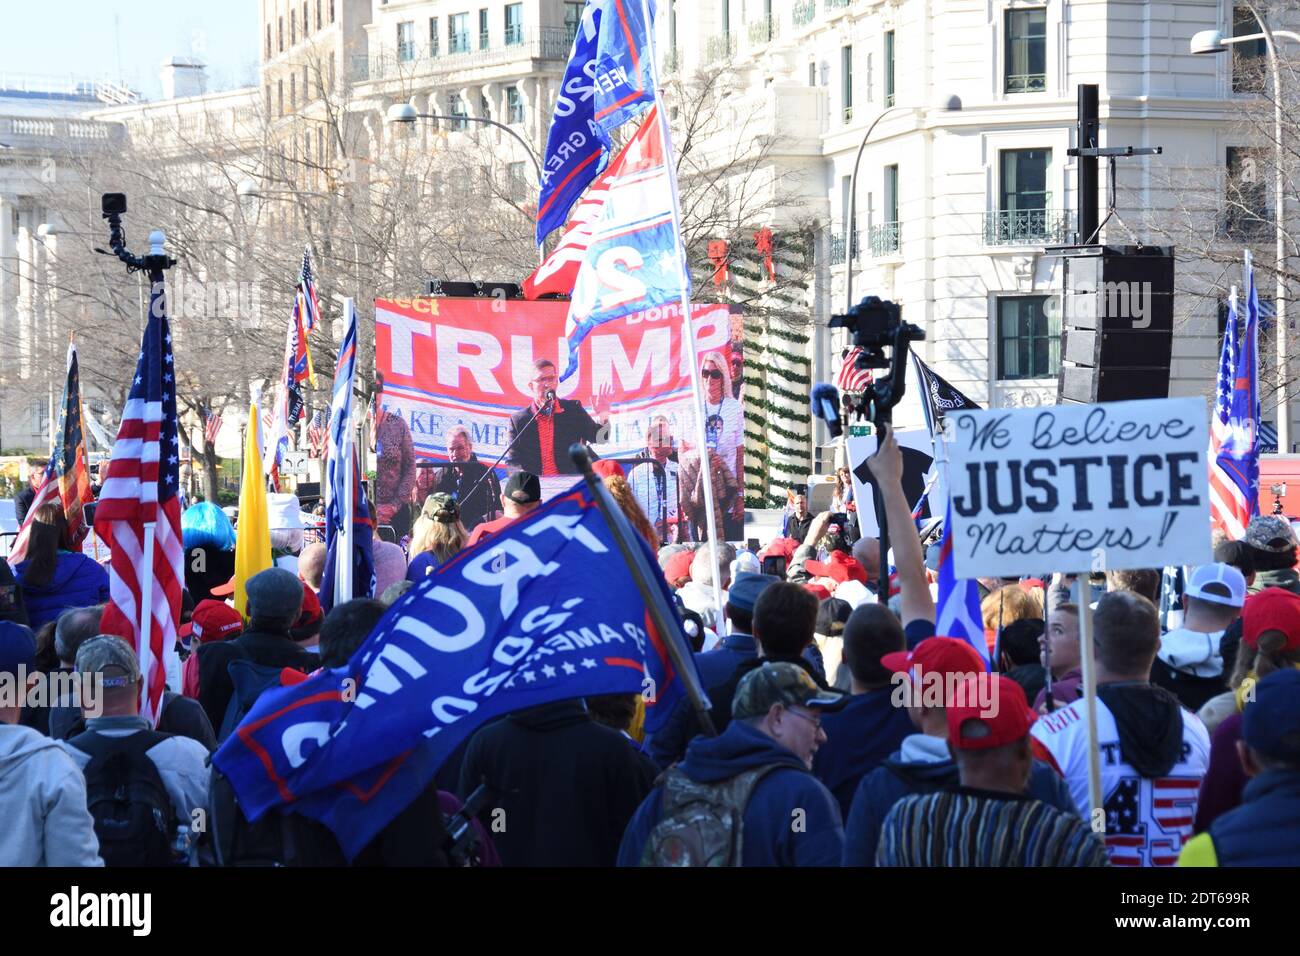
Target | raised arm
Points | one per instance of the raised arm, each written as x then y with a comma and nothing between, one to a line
887,465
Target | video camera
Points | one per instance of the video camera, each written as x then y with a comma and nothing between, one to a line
113,207
883,338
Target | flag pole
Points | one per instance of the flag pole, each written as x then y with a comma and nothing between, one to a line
688,329
343,557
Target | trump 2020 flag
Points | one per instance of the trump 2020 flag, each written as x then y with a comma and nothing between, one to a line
957,612
607,79
517,621
1234,426
633,261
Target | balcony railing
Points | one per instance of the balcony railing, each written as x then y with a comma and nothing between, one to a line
837,4
763,30
484,40
1026,227
804,11
1026,82
837,246
405,52
721,47
885,238
514,35
548,43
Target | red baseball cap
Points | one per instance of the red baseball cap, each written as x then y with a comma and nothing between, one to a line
607,467
780,547
214,621
1272,609
942,655
839,566
818,591
679,566
309,618
1005,719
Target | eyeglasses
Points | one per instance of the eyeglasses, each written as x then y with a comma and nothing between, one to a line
715,373
815,721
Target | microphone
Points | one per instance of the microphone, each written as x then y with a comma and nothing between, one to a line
825,403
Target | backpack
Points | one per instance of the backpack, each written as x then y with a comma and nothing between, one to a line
134,819
250,682
702,824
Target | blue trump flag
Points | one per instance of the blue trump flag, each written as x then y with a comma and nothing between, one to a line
633,261
544,610
606,81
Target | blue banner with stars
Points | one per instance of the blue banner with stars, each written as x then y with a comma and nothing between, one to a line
541,611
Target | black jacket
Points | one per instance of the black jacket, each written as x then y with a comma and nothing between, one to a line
269,650
572,424
567,785
476,495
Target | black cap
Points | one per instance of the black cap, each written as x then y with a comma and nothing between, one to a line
523,488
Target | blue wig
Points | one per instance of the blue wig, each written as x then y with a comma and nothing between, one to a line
206,525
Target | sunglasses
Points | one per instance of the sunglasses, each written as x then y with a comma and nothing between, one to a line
713,374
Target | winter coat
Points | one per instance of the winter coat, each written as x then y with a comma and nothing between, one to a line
42,804
77,581
769,838
566,785
269,650
859,739
1265,829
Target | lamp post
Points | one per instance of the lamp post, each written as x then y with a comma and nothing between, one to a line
952,105
1213,41
407,114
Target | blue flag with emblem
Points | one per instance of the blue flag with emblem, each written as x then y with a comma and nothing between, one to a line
607,80
512,623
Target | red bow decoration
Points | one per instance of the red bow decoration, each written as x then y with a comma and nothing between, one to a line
763,243
718,255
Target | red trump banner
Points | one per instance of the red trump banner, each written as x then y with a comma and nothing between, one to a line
467,381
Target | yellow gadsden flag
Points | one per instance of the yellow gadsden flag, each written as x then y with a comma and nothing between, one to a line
253,536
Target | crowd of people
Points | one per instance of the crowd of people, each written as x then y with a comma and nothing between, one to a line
820,741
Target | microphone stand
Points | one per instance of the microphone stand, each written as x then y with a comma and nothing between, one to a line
550,402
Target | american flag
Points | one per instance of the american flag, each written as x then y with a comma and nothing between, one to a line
851,378
66,480
1130,838
317,433
341,450
211,425
307,304
957,612
139,497
1234,426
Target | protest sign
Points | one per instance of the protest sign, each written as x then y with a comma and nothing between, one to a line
918,461
1079,487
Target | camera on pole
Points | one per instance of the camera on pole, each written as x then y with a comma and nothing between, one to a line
113,207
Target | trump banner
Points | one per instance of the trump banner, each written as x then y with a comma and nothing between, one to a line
466,381
1079,487
512,623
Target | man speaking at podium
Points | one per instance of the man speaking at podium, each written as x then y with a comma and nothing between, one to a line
541,433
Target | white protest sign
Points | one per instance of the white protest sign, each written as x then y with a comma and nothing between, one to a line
918,460
1079,487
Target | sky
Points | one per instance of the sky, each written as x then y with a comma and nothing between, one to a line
90,38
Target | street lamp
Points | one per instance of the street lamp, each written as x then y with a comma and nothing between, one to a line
951,105
407,114
1213,41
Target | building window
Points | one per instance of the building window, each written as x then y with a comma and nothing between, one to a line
514,106
293,27
514,24
279,84
812,74
293,92
1026,50
516,184
268,99
891,194
279,35
572,17
331,11
319,20
433,36
458,113
1249,60
483,29
889,68
268,41
406,41
306,28
726,17
458,33
846,82
1024,179
331,69
1029,338
1247,208
306,87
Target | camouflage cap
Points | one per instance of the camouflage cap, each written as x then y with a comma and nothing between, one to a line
1270,533
780,682
110,656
